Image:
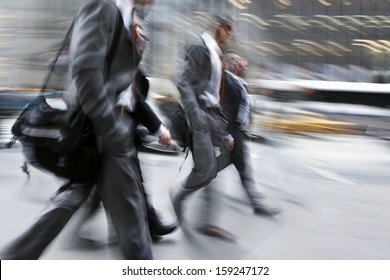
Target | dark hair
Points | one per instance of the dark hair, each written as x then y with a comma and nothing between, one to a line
231,51
224,20
229,60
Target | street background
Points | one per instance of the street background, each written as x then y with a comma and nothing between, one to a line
333,190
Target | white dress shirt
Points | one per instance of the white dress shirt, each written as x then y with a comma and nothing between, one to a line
127,98
212,90
125,7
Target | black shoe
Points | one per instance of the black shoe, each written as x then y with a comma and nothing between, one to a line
156,238
156,227
266,210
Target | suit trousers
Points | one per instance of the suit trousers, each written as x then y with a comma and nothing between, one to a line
241,159
60,208
120,188
121,191
206,140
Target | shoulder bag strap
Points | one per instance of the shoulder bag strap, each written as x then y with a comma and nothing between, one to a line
55,59
110,56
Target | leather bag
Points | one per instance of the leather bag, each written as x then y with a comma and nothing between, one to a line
60,141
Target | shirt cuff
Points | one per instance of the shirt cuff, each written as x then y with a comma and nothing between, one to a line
161,130
228,137
127,98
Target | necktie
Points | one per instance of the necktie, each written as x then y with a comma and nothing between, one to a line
133,26
222,87
137,35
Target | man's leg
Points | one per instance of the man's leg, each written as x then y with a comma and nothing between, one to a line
120,189
211,199
204,170
242,162
156,227
49,224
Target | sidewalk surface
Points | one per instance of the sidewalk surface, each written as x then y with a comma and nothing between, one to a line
334,192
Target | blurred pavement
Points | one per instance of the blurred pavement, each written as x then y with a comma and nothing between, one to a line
334,191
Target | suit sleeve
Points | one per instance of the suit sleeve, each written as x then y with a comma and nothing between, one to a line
243,109
91,37
186,84
145,115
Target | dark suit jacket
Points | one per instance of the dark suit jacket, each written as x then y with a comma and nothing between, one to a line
236,103
193,81
92,86
142,112
236,108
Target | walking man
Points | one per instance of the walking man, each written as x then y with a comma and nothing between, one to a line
95,87
199,86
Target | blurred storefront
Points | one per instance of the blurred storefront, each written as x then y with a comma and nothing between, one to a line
345,40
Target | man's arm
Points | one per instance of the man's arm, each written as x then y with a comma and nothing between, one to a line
240,99
89,47
145,115
243,109
187,82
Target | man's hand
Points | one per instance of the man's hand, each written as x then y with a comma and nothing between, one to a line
229,142
165,138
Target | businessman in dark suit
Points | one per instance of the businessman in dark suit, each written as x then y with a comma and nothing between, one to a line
94,89
143,114
236,108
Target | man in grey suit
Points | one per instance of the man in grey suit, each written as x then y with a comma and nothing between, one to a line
199,85
95,88
237,110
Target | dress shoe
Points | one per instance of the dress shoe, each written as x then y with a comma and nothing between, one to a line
264,210
156,238
215,231
156,227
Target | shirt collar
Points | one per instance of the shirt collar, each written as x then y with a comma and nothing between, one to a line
238,78
125,7
211,43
